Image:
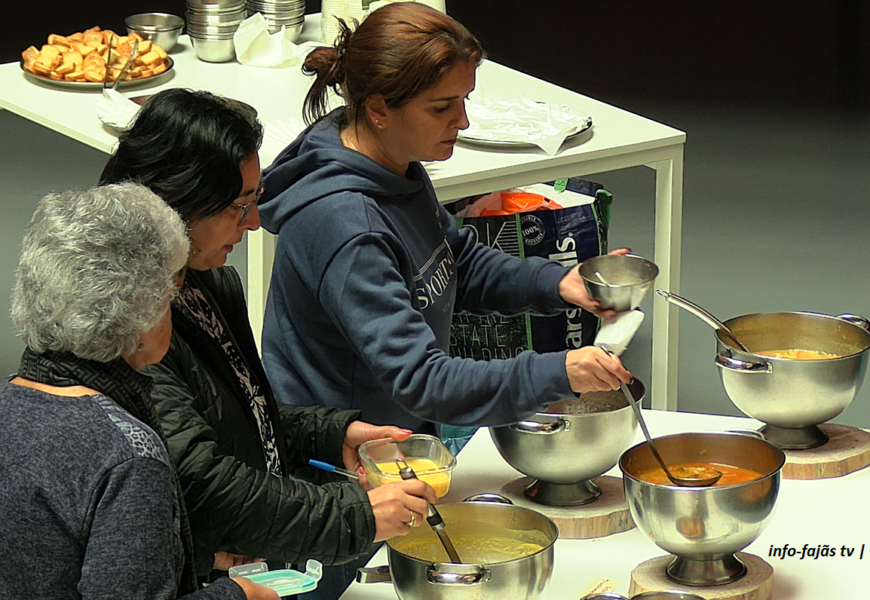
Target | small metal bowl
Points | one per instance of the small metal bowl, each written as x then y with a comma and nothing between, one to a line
214,50
619,281
161,28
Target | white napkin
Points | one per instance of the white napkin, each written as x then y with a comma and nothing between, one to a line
278,134
522,121
114,109
256,47
617,331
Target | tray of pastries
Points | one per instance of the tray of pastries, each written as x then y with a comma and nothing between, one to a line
94,57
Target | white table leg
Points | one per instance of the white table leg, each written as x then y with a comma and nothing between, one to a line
668,238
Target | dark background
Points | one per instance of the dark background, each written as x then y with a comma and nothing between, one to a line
789,53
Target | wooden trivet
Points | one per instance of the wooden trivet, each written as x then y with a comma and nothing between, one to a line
846,451
757,584
606,515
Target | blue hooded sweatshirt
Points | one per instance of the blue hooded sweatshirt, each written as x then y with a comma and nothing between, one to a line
369,269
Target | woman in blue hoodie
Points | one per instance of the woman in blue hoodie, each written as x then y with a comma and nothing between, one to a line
369,268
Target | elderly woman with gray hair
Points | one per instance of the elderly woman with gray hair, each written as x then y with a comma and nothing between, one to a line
89,493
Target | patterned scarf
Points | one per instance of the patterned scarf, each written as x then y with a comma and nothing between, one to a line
132,392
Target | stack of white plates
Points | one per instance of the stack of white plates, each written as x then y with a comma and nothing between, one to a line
280,13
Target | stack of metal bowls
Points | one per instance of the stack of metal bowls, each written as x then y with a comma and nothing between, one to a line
211,25
280,13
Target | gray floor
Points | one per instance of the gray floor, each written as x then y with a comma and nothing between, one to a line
773,220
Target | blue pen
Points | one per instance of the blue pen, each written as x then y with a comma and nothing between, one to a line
332,468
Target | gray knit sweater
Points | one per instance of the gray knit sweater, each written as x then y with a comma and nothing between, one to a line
86,504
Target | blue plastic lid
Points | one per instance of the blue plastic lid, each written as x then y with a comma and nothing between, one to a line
287,582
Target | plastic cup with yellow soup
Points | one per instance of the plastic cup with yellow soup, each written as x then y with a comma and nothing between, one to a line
431,461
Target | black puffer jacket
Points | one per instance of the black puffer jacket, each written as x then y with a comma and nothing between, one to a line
234,505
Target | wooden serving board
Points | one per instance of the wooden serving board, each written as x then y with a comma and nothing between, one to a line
846,451
606,515
757,584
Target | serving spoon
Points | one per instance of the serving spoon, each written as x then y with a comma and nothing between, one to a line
434,519
711,476
703,315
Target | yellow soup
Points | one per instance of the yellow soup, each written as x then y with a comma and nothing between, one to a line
798,354
439,478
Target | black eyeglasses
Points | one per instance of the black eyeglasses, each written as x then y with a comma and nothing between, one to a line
246,208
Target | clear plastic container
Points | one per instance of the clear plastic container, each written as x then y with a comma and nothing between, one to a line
430,459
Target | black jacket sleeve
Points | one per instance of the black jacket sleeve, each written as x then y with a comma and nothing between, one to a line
237,508
233,504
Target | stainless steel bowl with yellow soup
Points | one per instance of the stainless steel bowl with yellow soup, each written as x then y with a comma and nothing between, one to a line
801,369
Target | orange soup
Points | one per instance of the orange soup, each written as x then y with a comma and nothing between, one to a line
798,354
730,475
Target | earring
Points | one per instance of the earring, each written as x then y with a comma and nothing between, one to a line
378,124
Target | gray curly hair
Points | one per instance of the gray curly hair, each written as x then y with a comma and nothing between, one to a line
97,270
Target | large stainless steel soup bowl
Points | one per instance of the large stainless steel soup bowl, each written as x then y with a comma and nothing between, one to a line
793,396
704,527
486,536
564,448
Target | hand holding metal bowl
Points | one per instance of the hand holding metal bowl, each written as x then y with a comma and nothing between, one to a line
704,527
619,282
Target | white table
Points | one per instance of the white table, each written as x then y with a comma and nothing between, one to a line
827,511
619,139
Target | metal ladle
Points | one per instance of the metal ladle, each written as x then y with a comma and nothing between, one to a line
434,519
601,278
679,481
703,315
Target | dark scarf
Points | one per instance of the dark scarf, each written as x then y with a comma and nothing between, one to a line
132,392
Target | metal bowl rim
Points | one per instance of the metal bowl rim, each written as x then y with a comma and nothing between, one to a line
591,414
155,27
633,257
490,506
799,313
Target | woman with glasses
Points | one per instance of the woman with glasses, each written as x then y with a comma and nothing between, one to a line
92,507
233,447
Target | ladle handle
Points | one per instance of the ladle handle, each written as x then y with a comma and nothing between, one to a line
704,316
692,308
434,518
636,408
630,397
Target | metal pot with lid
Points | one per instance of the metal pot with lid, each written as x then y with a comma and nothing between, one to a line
507,552
793,396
